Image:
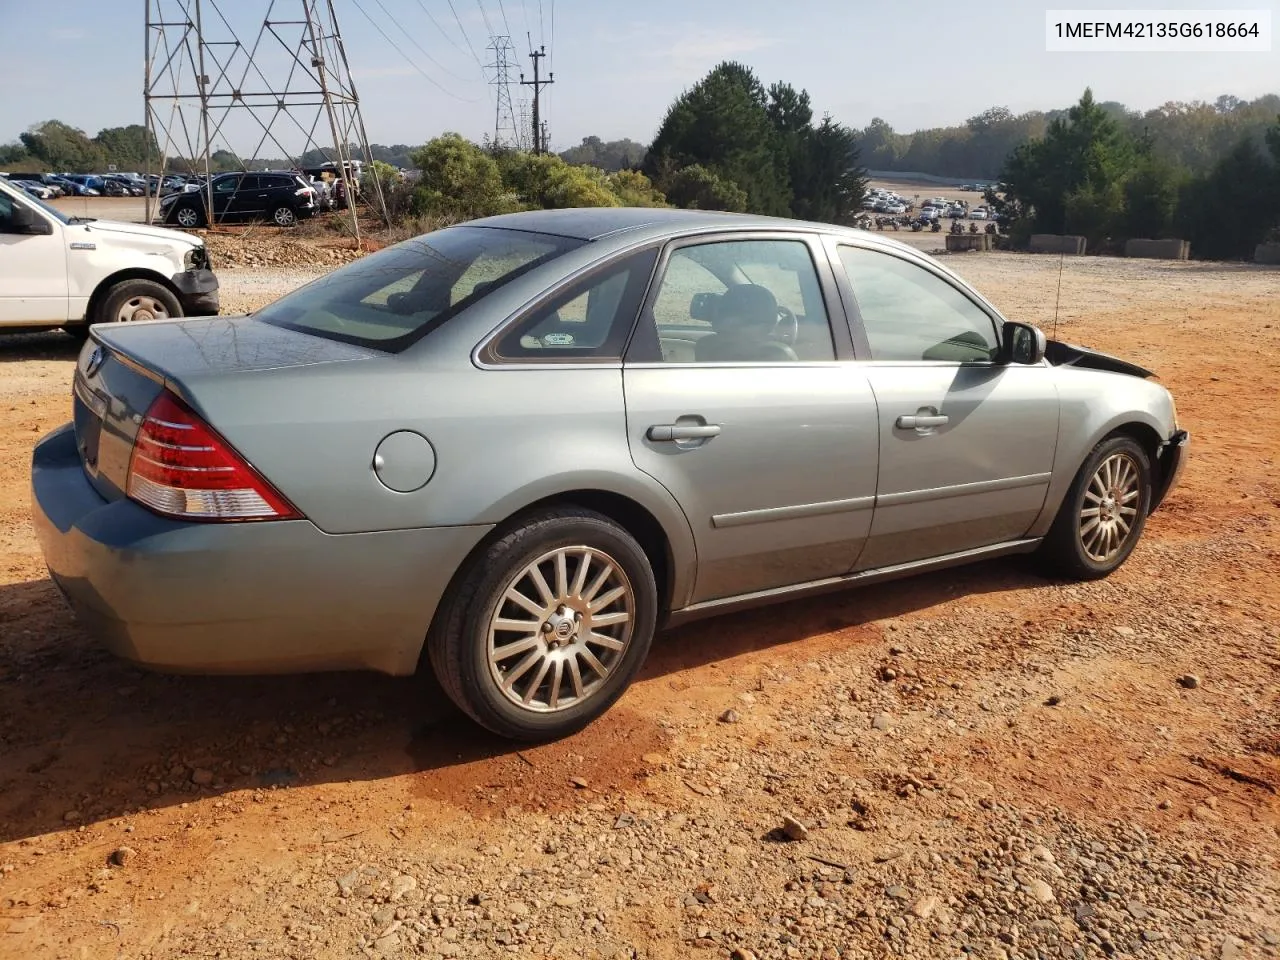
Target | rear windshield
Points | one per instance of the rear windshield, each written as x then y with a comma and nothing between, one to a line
390,299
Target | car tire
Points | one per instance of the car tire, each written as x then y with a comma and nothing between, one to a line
513,694
132,300
283,216
1089,537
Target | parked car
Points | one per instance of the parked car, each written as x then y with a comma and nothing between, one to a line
977,214
60,271
428,456
283,198
37,190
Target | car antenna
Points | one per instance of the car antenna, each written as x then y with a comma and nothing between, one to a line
1062,259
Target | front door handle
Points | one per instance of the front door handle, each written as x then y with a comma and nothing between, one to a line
922,422
683,431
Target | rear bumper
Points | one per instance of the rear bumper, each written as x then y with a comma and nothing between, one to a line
1172,458
267,597
197,292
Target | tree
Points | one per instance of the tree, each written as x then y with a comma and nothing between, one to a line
62,147
610,156
1082,156
832,183
458,180
1150,198
1226,212
722,123
126,147
697,188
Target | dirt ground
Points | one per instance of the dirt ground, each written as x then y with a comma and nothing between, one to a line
984,763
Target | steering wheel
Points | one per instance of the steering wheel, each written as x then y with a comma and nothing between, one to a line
787,328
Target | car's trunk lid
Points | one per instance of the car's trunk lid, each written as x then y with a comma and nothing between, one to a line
123,368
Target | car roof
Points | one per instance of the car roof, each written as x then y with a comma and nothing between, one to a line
592,223
653,223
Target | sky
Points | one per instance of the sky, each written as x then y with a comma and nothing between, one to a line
618,65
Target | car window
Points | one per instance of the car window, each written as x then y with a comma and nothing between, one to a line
228,184
6,214
912,314
390,299
738,301
590,320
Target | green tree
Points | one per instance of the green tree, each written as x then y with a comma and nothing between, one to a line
1150,198
1226,212
722,123
609,155
62,147
695,187
831,182
1082,157
126,147
458,179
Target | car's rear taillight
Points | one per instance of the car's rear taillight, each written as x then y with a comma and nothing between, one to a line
180,467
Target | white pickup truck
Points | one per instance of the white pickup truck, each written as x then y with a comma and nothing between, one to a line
69,272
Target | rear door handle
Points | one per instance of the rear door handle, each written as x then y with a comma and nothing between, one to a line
683,431
921,423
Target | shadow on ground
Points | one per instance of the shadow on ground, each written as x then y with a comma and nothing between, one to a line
82,731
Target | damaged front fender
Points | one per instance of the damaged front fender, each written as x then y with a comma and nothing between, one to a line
1070,355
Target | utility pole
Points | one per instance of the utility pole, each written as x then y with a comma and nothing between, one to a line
539,129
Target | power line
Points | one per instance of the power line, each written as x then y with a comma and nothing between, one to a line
413,40
485,17
506,25
458,20
436,23
409,60
542,33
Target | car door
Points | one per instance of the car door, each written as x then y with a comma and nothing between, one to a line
230,203
966,442
768,446
33,268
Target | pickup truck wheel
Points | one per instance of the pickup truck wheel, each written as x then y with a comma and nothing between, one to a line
132,300
546,627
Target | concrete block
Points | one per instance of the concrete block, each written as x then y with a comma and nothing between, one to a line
968,241
1057,243
1158,249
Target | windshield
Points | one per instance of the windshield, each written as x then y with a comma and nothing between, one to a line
392,298
37,202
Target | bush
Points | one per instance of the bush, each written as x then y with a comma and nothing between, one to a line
634,189
458,180
545,181
696,188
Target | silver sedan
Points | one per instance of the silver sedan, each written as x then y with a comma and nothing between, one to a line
514,448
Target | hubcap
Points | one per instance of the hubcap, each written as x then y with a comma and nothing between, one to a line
284,217
187,218
142,308
1110,507
560,629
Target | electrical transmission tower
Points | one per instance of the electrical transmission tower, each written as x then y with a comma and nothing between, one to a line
506,133
292,84
538,128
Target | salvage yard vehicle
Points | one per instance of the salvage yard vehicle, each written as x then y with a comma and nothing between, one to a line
69,272
514,448
281,197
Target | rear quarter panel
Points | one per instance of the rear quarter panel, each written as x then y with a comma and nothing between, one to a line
1094,404
502,439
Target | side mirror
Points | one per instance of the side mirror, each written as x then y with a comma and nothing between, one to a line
25,220
1022,343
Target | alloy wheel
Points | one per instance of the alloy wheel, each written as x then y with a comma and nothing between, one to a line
1109,511
560,629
